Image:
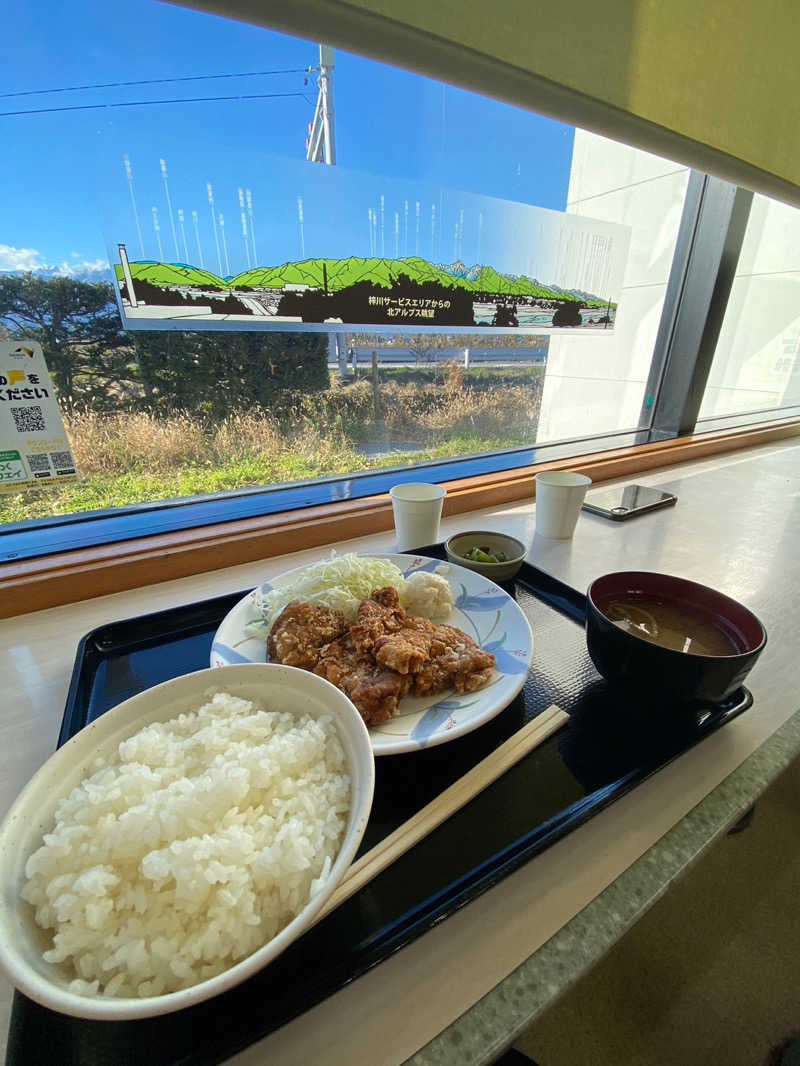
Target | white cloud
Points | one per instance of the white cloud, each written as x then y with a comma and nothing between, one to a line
84,266
19,258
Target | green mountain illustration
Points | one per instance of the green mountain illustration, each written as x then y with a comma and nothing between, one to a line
489,280
342,273
339,274
166,274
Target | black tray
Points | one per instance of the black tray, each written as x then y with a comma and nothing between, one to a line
600,754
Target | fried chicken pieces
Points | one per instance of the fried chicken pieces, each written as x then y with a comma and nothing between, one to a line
301,632
382,656
375,692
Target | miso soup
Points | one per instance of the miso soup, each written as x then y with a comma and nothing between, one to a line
671,625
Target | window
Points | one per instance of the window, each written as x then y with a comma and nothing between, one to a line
756,366
175,429
597,388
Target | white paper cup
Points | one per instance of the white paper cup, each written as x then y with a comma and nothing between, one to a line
417,511
558,503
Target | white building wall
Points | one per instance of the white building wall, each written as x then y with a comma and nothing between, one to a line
595,383
757,361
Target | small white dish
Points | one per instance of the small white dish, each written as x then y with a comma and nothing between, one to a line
22,941
514,550
482,609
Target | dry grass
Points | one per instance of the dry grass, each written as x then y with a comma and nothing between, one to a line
106,444
315,426
428,413
148,443
245,433
142,457
144,441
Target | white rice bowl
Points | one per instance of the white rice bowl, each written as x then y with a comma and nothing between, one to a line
177,863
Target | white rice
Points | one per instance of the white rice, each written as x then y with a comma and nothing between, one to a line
190,848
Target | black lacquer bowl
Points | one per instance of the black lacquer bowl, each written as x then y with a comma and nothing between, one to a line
670,679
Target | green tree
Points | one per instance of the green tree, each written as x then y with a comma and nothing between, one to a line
214,373
95,364
78,327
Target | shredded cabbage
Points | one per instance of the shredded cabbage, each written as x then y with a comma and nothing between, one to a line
340,582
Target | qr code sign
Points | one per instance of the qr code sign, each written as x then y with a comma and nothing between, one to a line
62,460
38,463
28,419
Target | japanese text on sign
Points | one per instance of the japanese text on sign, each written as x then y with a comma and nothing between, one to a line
34,449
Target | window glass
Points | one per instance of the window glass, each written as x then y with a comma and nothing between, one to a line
154,416
756,364
597,385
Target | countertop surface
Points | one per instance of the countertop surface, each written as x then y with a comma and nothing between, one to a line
462,992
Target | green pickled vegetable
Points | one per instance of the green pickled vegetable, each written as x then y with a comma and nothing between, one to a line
485,555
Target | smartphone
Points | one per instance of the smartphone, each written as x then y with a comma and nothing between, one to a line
626,501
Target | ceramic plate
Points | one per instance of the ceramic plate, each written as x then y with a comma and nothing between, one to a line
482,609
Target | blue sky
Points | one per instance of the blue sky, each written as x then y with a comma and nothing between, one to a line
63,168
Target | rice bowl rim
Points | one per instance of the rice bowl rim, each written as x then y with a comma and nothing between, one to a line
33,810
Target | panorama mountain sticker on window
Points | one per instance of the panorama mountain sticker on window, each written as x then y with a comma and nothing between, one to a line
34,449
338,249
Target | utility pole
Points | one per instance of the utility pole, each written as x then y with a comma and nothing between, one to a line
321,148
321,143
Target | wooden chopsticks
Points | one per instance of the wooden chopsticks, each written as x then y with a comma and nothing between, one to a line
448,802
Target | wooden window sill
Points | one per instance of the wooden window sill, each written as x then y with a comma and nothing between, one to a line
53,580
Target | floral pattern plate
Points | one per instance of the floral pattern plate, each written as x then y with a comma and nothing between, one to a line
482,609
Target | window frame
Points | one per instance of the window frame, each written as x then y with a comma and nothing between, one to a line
68,577
47,536
710,240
